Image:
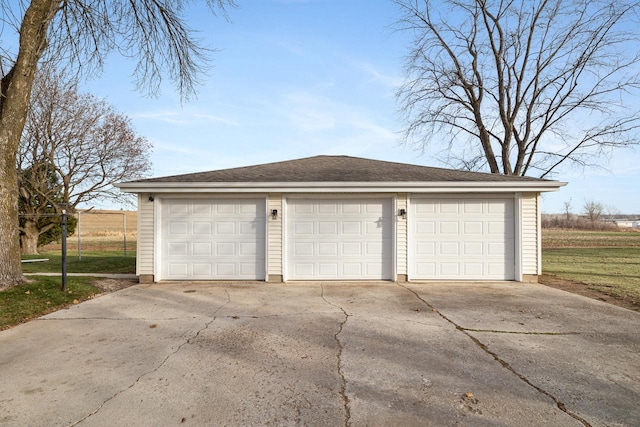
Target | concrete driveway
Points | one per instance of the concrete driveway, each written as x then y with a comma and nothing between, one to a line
330,354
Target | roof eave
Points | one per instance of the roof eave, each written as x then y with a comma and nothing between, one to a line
330,187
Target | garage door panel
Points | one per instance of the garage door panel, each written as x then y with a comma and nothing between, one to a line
300,209
225,269
451,269
425,208
179,209
473,269
303,249
327,208
200,227
302,269
471,207
425,269
351,227
328,248
465,238
449,207
352,269
178,248
248,248
178,269
425,248
425,227
473,248
351,208
178,228
449,248
328,269
374,248
351,248
497,248
213,239
301,229
342,239
202,209
202,269
449,227
328,228
473,227
202,249
225,248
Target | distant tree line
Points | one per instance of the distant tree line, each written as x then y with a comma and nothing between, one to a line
592,217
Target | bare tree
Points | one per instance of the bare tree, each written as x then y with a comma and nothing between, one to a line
524,86
611,211
567,209
74,147
593,210
80,33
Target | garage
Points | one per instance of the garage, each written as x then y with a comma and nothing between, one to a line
462,238
212,239
339,218
339,239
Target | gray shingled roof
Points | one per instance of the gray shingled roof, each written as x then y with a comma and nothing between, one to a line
338,169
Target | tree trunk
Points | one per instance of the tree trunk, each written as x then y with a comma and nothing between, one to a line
14,104
10,266
29,240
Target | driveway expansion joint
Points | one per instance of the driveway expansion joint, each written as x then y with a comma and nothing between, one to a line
343,385
160,365
559,404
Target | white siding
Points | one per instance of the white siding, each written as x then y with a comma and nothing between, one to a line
274,233
530,232
145,245
401,234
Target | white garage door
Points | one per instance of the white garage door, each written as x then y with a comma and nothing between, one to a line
462,238
208,239
339,239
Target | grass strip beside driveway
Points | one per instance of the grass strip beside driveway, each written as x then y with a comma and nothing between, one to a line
92,262
40,296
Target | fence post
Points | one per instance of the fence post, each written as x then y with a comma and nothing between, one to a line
79,238
64,250
124,223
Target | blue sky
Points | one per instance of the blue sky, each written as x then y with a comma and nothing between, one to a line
298,78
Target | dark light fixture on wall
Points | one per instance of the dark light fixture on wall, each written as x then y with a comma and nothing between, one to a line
151,199
402,213
274,213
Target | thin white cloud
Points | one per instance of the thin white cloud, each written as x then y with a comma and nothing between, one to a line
182,117
375,75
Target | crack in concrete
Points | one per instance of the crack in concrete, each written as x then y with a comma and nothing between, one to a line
494,331
559,404
343,385
160,365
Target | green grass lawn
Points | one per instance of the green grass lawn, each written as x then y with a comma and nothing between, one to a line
607,262
92,262
41,296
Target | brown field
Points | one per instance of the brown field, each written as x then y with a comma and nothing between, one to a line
561,238
102,230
